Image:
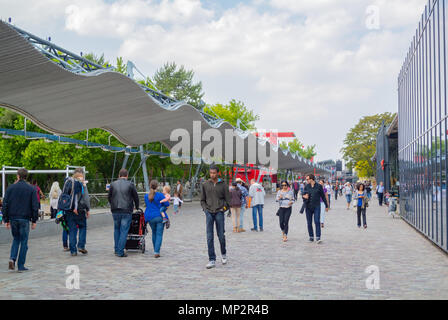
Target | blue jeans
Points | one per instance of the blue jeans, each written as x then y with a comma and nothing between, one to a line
20,229
157,227
348,197
76,222
243,208
259,208
309,219
122,223
218,219
64,238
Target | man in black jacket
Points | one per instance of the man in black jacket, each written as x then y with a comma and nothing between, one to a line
20,205
122,198
215,200
313,194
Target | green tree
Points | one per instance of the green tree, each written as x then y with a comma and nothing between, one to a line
295,145
178,83
232,112
360,141
363,169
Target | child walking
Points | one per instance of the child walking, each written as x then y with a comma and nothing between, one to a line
176,202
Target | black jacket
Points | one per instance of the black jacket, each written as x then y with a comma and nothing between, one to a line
20,202
122,196
315,194
215,197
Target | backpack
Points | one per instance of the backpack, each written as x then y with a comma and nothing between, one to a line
235,198
65,201
296,186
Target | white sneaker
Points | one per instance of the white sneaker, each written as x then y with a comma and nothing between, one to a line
224,259
211,264
319,241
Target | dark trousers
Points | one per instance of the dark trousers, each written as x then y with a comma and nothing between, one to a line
53,213
211,220
20,229
363,212
380,198
76,222
336,195
283,216
295,194
310,213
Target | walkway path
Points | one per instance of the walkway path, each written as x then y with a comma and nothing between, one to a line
260,265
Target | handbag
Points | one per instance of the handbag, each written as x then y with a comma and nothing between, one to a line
65,201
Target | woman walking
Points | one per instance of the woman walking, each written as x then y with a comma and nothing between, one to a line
55,192
235,205
362,203
285,198
154,217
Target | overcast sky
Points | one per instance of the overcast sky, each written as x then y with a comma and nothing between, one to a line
314,67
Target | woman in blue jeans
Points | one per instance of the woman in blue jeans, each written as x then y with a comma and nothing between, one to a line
153,216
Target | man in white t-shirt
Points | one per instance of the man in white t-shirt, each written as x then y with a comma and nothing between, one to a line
348,191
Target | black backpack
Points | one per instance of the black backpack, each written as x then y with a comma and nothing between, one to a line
65,201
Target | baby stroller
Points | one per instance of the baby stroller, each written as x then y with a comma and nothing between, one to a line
137,232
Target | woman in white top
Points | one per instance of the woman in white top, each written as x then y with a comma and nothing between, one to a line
285,198
55,192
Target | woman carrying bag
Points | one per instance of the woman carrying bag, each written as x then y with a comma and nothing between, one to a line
285,198
362,202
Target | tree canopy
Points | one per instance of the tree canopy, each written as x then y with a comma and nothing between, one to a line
232,112
360,142
295,145
177,82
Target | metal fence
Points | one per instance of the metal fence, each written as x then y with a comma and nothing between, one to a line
423,127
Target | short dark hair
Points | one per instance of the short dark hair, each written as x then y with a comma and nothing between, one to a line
22,173
311,176
214,167
123,173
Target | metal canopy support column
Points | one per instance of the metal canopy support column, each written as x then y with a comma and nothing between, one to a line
193,182
125,161
259,175
145,172
3,182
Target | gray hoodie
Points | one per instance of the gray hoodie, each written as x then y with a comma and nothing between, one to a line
257,193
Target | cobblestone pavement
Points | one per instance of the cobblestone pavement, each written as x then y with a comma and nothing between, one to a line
260,265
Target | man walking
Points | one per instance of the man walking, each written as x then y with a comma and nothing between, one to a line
313,194
20,205
77,218
257,193
122,197
296,188
215,200
380,193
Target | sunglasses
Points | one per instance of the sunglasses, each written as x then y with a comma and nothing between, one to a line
284,185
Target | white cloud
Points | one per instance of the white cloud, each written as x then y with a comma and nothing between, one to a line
308,66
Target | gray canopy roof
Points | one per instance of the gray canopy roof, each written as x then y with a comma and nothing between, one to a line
64,103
